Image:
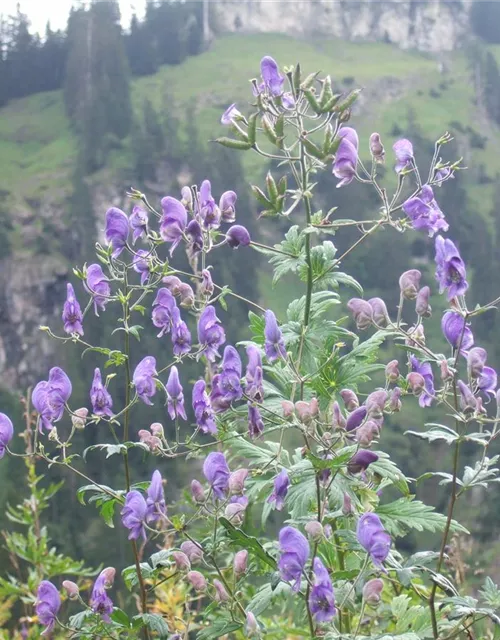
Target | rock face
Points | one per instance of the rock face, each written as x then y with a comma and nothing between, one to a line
427,25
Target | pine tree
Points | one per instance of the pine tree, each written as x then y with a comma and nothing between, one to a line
140,49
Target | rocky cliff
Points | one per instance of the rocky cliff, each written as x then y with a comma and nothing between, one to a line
427,25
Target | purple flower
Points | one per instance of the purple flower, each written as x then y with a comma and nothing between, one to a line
287,100
272,79
476,361
6,433
404,154
100,397
226,386
294,552
281,484
230,114
409,283
195,237
274,345
487,380
100,602
442,175
140,264
321,598
173,222
72,314
138,222
456,331
155,499
374,538
97,284
356,418
362,312
134,515
116,230
143,379
255,423
377,148
47,605
226,206
361,460
211,334
203,412
468,402
254,388
424,212
216,472
181,336
175,396
422,306
208,211
237,236
450,268
50,396
207,284
346,158
164,306
425,370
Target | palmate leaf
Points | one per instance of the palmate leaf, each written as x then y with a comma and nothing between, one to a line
490,593
219,627
404,514
294,246
251,544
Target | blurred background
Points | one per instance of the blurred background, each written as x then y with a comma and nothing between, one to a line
96,97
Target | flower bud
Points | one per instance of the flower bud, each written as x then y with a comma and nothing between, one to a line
151,441
416,336
237,481
235,513
422,306
221,594
181,560
288,408
109,576
314,530
197,580
186,294
157,429
361,311
79,417
172,283
379,310
350,399
361,461
252,628
468,402
446,374
240,562
71,589
416,382
355,418
392,371
207,285
476,361
347,509
338,420
197,491
377,148
409,284
187,197
304,411
53,436
375,403
314,407
480,410
366,433
193,551
395,401
372,591
237,236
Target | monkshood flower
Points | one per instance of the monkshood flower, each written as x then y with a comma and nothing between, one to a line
379,312
97,284
217,473
442,175
195,238
6,433
207,284
143,379
134,515
254,388
468,402
274,345
116,230
100,397
240,562
100,602
72,314
456,331
140,264
187,197
230,114
226,386
237,481
208,211
355,418
361,311
252,627
409,284
281,484
403,150
424,212
47,605
422,306
294,552
211,334
203,412
425,370
138,222
372,591
71,589
321,598
175,396
350,399
173,222
346,158
476,361
373,538
272,79
227,206
193,551
375,403
450,268
255,422
155,499
237,236
377,148
221,594
163,307
50,396
181,336
361,460
487,382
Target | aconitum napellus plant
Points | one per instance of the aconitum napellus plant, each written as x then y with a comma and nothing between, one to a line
292,521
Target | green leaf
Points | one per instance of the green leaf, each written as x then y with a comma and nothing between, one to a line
349,281
436,432
120,617
252,545
481,474
107,512
264,597
129,575
111,449
156,623
230,143
161,558
257,324
490,593
340,460
218,628
404,514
